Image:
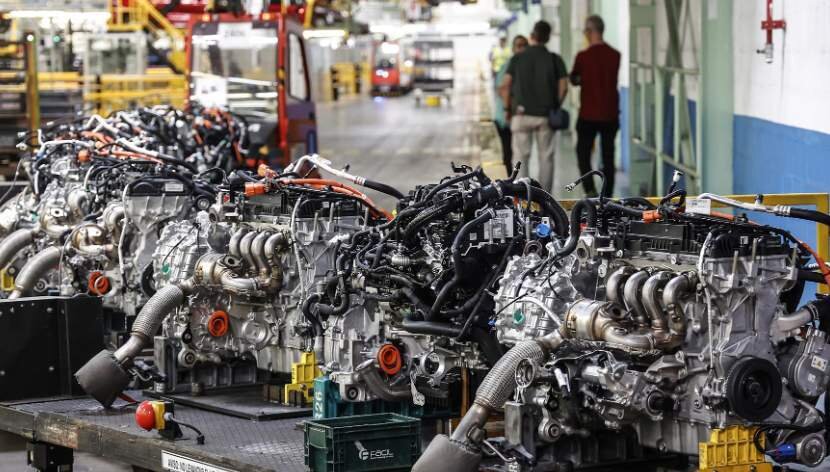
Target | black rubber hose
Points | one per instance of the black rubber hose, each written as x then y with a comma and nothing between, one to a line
415,300
628,211
432,328
425,217
334,310
457,263
810,215
810,276
822,310
383,188
479,296
550,206
309,315
582,206
488,344
434,191
644,202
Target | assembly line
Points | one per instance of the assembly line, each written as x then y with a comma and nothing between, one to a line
347,236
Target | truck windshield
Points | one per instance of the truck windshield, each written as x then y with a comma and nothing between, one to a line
234,66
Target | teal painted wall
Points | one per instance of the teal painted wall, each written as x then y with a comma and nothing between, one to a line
717,97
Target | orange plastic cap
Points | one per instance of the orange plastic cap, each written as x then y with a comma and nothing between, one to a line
98,283
650,216
252,189
218,323
389,359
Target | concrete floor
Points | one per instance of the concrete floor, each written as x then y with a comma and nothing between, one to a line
391,140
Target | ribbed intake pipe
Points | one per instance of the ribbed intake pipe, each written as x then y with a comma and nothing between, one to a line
461,453
35,268
13,244
104,376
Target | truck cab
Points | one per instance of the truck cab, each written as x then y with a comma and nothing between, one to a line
257,69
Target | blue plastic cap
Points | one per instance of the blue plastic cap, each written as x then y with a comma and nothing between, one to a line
542,230
784,452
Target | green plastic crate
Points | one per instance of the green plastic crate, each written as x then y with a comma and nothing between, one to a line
385,441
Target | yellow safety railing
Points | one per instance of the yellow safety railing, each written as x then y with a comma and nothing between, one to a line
111,92
135,15
821,202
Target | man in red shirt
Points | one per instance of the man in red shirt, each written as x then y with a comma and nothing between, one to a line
595,72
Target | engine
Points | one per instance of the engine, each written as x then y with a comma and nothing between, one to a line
425,281
230,286
645,332
101,190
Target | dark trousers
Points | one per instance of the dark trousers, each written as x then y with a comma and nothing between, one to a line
586,133
506,137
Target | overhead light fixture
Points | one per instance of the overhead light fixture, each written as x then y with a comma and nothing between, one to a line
324,33
59,14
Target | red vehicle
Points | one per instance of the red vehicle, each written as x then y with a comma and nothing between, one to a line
257,68
309,13
392,68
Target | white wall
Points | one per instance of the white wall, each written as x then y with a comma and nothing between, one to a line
795,89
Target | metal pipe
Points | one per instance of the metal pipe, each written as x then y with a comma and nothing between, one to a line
272,244
589,320
104,376
14,243
673,294
631,295
616,282
35,268
369,373
461,452
258,252
233,244
245,249
651,301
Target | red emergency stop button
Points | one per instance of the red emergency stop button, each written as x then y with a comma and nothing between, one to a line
145,415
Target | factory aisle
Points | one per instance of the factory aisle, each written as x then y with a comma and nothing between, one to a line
393,141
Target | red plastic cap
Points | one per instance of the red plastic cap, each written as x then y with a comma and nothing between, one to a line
145,416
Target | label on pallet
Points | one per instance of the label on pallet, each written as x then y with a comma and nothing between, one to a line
177,463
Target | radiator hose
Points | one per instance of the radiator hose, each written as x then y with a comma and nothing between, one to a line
34,269
104,376
461,453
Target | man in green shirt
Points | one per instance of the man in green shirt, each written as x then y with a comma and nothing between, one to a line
535,83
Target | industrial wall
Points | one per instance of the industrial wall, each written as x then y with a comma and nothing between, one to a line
782,110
